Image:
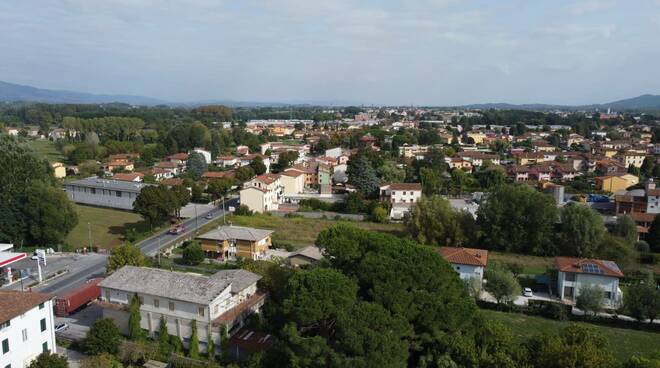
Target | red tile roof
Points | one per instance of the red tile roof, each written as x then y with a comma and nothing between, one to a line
405,186
293,173
267,178
14,303
575,265
466,256
127,176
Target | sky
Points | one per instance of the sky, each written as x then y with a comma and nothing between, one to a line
407,52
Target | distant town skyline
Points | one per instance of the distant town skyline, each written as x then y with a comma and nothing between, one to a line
426,52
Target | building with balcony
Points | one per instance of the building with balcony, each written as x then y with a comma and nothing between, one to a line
229,242
573,274
225,298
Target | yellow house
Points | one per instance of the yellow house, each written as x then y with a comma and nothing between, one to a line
228,242
58,170
616,183
478,137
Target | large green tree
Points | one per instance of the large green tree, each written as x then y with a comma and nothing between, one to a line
134,330
653,236
517,218
32,206
502,284
642,300
156,204
102,337
362,175
196,165
125,255
576,346
582,230
433,221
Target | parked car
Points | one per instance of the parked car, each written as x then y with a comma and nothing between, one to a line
61,327
209,216
528,292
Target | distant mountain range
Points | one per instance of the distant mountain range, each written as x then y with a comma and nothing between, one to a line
10,92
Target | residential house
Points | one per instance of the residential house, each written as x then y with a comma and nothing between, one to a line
263,193
229,242
242,150
519,172
134,177
528,158
293,182
576,273
161,174
226,298
226,161
402,196
26,327
477,137
179,159
543,146
116,165
469,263
615,183
477,159
12,131
173,167
104,192
459,163
631,159
413,151
305,256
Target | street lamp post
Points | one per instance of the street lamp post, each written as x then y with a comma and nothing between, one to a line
89,233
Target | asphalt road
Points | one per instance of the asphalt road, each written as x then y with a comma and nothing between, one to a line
96,267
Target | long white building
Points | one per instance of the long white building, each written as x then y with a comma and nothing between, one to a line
26,327
225,298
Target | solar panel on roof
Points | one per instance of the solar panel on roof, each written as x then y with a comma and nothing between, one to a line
591,268
611,265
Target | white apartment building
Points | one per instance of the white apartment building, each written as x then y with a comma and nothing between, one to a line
575,273
225,298
263,193
26,327
293,182
402,196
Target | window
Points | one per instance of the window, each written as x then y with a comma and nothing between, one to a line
216,309
201,311
608,295
44,346
8,366
107,295
24,333
171,306
156,303
43,324
41,306
93,190
570,276
5,346
141,300
4,325
118,194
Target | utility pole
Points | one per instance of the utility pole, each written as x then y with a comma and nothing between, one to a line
195,218
224,221
89,233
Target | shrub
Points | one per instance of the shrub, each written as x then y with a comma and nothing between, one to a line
379,214
193,253
549,309
243,210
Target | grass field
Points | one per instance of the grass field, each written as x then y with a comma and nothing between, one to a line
47,149
623,342
532,265
108,226
298,231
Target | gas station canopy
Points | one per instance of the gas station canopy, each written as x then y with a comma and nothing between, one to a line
7,258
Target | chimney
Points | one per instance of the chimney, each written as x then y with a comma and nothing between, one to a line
650,184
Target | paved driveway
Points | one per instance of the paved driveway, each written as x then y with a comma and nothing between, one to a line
79,322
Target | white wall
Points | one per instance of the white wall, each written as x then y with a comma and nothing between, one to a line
22,352
608,284
466,272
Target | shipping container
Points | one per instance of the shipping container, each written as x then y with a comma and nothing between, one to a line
75,299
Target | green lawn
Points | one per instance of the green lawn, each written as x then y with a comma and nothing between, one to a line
108,226
47,149
298,231
623,342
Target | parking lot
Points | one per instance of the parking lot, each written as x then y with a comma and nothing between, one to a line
55,263
80,322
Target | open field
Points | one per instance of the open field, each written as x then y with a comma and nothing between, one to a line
532,265
298,231
623,342
108,226
47,149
